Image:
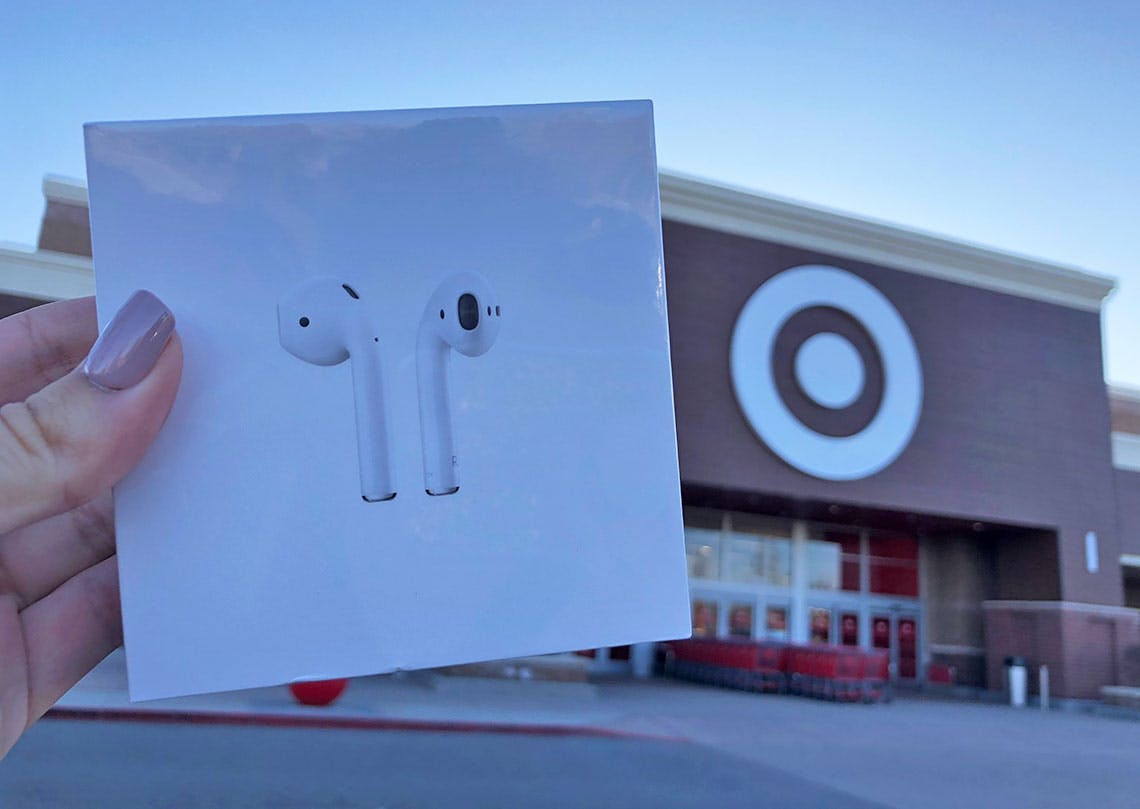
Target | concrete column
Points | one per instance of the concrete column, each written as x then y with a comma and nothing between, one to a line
641,659
864,589
798,620
923,620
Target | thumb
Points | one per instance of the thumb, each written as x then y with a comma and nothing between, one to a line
80,435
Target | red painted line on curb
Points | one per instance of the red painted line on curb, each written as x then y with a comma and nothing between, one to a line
344,723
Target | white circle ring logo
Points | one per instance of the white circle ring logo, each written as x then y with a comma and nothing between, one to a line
753,338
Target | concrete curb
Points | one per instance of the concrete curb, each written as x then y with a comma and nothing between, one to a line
347,723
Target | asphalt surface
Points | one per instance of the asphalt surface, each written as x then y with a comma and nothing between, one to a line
68,763
912,753
658,743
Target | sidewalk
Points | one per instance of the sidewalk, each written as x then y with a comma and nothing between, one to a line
406,700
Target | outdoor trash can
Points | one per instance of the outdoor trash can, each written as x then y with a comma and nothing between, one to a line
1016,678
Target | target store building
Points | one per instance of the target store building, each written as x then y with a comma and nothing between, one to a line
887,439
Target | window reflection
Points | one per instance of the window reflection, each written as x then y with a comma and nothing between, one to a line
702,542
820,624
702,550
833,561
704,618
740,620
757,559
738,548
779,562
823,565
758,551
776,622
849,629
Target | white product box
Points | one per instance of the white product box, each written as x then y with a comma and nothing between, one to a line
330,276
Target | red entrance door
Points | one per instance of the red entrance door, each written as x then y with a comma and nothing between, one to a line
907,634
898,633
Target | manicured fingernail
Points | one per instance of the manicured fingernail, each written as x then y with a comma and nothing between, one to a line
130,345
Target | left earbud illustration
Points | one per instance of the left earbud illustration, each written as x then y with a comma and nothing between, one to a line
462,314
323,321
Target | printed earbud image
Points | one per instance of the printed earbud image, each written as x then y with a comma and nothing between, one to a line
323,321
462,314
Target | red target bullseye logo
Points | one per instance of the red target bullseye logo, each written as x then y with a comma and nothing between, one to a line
826,372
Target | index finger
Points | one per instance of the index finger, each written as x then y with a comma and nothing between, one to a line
42,344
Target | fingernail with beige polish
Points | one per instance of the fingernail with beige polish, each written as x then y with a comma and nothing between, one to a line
131,344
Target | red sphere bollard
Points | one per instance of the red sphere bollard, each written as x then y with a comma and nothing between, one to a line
318,692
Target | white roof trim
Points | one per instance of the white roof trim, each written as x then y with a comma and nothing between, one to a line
64,189
697,202
1130,559
1126,451
1123,392
44,275
732,210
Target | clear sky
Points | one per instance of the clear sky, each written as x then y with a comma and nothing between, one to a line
1014,125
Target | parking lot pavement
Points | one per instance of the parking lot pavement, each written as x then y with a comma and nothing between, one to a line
129,765
912,752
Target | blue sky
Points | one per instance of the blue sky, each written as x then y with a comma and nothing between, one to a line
1015,126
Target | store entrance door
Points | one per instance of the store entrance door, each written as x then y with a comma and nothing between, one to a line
896,630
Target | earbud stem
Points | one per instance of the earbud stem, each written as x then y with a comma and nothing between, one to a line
433,360
376,480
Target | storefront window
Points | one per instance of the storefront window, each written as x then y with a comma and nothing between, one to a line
754,553
833,561
776,622
779,562
880,632
894,564
740,620
850,554
704,618
820,625
702,550
849,629
758,551
823,565
744,558
756,560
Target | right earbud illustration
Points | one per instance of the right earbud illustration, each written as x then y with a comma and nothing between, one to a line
323,322
462,314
